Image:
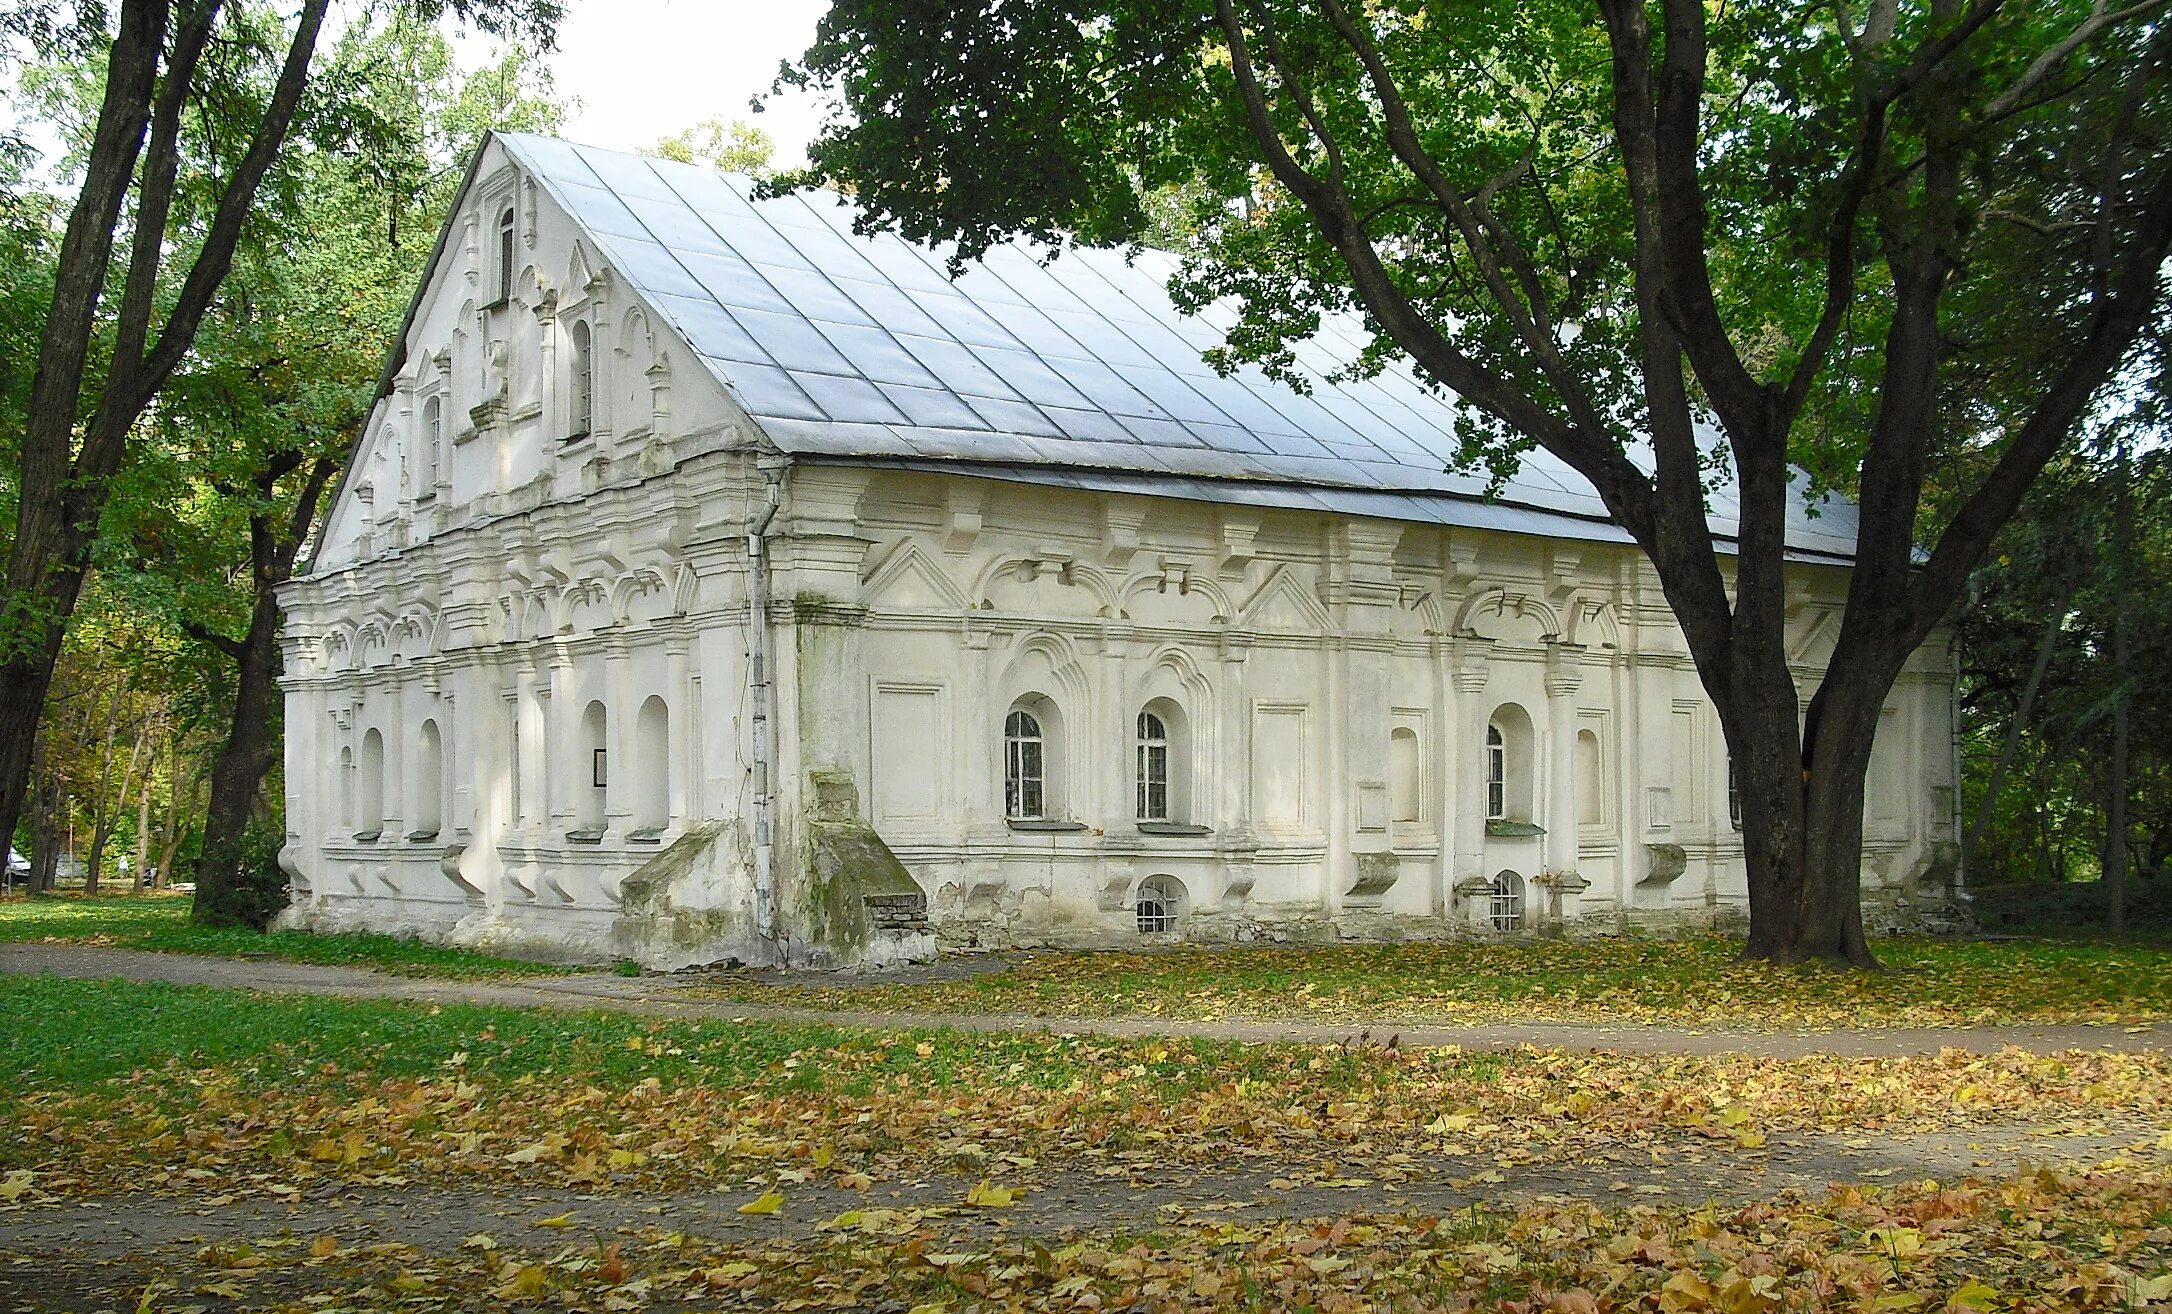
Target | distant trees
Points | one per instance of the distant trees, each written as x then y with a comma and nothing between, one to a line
2045,687
735,147
216,488
192,106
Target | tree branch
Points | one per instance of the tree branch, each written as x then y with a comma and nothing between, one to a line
229,648
2119,317
217,254
155,193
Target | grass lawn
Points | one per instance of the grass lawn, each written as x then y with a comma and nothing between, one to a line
161,922
193,1096
1692,982
102,1078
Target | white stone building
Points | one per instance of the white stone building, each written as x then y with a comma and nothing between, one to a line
711,582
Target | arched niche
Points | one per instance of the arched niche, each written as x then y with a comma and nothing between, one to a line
429,818
652,755
370,786
1510,765
593,791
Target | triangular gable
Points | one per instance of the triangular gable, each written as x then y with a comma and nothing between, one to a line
1283,603
910,580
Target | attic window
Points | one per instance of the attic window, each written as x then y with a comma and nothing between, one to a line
505,254
584,383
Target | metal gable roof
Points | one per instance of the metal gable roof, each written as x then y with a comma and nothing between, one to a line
1078,371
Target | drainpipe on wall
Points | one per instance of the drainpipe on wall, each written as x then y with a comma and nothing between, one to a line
762,694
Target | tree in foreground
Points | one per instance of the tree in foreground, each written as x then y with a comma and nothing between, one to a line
1657,240
145,249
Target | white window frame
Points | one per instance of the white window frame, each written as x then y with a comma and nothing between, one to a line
582,403
1152,758
1496,774
1025,766
508,223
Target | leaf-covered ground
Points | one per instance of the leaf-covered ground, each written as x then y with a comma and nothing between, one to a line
1688,982
160,922
591,1161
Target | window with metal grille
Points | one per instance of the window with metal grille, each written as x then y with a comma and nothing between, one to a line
1025,775
584,382
1734,796
505,254
1160,905
1153,768
1496,774
1507,902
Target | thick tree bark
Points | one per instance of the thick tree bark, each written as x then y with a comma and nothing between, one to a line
64,478
1802,787
239,883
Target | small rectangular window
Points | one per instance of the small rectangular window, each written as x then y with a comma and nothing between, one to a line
505,254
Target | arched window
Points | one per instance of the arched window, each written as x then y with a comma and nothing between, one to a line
1153,768
584,382
1507,909
370,788
429,784
1496,774
652,741
1025,767
433,429
589,811
1406,774
505,254
1160,905
1509,765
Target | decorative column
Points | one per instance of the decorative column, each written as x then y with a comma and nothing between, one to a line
1470,662
561,753
620,713
683,691
1362,593
602,360
1564,673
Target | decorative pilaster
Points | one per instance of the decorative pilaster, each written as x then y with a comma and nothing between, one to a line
1470,663
1564,674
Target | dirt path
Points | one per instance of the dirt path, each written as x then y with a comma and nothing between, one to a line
98,1253
671,997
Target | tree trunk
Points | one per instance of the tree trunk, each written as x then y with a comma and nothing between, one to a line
141,871
169,844
2115,802
235,886
68,461
101,816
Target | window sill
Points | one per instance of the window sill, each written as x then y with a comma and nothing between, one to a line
1037,825
1173,828
500,304
578,439
425,499
421,836
646,835
1500,829
369,836
585,836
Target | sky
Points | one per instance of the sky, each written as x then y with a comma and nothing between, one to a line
647,69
